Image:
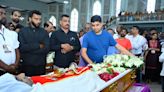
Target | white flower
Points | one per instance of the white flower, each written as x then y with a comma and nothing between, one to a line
119,69
120,60
50,57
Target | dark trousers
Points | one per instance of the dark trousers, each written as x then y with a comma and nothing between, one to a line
162,83
33,70
152,74
139,75
138,72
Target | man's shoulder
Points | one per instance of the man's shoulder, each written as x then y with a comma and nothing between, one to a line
89,33
42,30
59,31
25,28
56,32
19,26
127,40
9,31
106,34
29,28
141,37
105,31
129,36
11,34
72,33
88,36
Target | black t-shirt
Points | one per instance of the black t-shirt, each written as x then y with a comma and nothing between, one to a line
18,26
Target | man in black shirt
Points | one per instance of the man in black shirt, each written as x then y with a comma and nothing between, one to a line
65,43
34,46
14,24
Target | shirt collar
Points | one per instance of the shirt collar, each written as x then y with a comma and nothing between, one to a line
136,36
33,28
63,31
99,33
2,28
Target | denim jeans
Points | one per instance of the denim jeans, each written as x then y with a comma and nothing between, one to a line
162,83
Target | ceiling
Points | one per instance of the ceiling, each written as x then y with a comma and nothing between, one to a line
42,1
51,1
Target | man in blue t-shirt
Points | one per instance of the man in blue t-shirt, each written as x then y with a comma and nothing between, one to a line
96,42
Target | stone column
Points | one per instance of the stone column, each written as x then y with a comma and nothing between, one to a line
113,7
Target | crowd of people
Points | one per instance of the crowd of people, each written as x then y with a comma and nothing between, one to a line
31,44
144,44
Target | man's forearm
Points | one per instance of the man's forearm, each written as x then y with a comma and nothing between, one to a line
17,56
3,65
123,50
86,58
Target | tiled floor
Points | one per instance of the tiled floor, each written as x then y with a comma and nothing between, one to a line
155,87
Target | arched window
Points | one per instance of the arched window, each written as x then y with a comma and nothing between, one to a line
97,8
151,5
53,20
74,20
118,7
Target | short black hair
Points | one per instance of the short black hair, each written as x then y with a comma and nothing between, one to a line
111,29
64,15
34,12
153,29
54,27
137,27
96,18
46,24
2,7
123,28
82,30
15,11
154,34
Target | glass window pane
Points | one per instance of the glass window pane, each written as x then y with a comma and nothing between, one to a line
74,20
151,5
118,7
97,8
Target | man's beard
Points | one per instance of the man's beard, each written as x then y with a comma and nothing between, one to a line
36,26
122,35
3,21
16,20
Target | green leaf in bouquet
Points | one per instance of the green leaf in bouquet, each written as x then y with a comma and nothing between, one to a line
110,70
